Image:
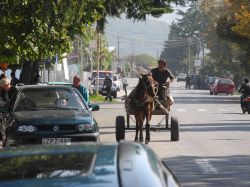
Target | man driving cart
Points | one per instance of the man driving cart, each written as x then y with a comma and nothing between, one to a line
163,76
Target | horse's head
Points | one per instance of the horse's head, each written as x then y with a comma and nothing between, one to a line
147,83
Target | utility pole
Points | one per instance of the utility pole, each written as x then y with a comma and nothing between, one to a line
189,55
118,51
98,62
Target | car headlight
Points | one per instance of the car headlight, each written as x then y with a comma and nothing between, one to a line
26,128
84,127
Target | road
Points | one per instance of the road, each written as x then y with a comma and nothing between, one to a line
214,146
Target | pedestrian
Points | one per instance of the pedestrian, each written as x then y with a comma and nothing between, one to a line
82,89
188,82
124,83
107,87
7,90
14,80
2,76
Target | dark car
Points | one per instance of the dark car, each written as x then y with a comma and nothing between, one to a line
222,85
48,115
86,165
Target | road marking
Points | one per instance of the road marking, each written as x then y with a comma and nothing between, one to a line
182,109
206,167
201,110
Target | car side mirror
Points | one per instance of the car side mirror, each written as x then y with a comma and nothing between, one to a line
94,107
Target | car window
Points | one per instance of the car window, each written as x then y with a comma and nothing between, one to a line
102,75
46,166
225,81
49,98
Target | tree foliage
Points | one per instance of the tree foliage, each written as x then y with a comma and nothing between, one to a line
33,30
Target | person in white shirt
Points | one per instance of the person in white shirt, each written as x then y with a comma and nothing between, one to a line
124,83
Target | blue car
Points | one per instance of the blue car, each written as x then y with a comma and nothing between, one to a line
84,165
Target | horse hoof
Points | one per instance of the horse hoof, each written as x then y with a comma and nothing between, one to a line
136,140
141,140
147,141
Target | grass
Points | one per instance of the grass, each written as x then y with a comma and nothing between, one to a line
99,98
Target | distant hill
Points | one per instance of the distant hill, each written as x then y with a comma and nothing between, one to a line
137,37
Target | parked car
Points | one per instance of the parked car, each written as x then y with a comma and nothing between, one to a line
222,85
117,82
48,115
102,75
209,81
181,77
105,165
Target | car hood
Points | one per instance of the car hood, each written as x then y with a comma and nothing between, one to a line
50,116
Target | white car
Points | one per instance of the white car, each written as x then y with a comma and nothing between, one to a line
181,77
117,82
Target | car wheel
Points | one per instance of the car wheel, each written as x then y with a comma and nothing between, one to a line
120,128
174,129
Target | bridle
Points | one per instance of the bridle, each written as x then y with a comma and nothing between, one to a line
149,86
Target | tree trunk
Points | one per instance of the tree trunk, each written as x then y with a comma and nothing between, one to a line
28,72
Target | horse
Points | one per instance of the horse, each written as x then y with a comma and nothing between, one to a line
144,105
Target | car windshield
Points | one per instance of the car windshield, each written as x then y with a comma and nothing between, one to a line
49,98
46,166
225,81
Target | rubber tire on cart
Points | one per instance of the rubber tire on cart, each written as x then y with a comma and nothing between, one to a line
174,129
120,128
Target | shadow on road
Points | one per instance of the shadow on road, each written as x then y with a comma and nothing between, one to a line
208,127
212,171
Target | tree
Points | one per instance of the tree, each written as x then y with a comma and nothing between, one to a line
144,60
32,30
35,30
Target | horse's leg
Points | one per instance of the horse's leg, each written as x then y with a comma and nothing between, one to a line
141,120
148,118
137,128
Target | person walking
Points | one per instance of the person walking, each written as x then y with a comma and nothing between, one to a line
124,83
82,89
188,82
107,87
7,90
14,80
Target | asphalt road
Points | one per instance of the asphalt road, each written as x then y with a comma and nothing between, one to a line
214,146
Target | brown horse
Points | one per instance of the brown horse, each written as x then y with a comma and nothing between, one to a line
144,106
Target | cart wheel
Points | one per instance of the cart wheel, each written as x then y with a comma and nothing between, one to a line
174,129
120,128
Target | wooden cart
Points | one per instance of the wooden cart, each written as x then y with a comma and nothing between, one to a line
162,108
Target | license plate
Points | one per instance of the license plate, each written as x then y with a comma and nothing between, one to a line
56,140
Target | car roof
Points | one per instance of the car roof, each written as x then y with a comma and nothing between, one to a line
60,83
44,86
